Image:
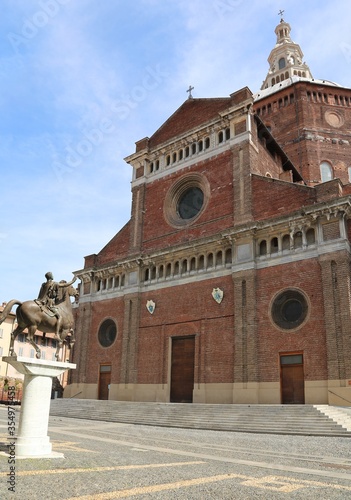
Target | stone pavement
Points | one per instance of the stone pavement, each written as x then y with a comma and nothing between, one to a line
105,460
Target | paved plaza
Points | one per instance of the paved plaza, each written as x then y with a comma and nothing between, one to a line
105,460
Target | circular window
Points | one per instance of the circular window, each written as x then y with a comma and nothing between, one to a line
186,200
107,333
190,203
289,309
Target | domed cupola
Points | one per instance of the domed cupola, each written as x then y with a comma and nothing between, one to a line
285,60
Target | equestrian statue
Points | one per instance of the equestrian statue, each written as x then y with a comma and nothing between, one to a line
51,312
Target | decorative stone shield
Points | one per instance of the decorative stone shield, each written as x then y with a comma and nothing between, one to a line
150,306
217,294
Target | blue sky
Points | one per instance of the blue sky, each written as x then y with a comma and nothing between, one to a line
82,80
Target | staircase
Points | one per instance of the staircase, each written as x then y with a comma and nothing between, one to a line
267,419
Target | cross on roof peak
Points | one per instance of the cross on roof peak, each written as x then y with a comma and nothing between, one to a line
189,90
280,13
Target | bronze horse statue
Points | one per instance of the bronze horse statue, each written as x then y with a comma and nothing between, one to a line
33,315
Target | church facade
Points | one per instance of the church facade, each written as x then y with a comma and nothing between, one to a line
231,281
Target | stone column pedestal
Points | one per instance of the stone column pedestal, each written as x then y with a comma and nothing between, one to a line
32,440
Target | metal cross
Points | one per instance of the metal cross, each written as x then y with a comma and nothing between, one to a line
280,13
189,90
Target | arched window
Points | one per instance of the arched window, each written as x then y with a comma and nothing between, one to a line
310,236
298,239
193,264
201,263
274,245
263,247
153,273
219,258
286,242
220,137
326,171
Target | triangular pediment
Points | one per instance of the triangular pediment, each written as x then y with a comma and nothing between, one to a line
190,115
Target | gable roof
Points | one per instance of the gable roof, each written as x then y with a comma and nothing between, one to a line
191,114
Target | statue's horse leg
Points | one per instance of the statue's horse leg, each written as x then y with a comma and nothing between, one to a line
14,334
72,339
31,332
58,346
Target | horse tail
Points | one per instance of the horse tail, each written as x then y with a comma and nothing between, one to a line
7,309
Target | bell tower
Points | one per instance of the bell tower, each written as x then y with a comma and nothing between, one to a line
285,59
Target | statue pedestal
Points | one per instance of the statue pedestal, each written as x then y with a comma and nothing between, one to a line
32,440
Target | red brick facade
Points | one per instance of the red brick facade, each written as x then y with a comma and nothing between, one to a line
235,244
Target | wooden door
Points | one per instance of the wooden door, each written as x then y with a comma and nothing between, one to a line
182,369
104,381
292,379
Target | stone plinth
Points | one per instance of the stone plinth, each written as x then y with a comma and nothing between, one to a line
32,440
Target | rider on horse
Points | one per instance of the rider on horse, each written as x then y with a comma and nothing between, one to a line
48,294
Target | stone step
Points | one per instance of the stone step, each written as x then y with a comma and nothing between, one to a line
270,419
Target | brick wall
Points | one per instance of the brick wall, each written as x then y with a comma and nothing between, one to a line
309,338
157,233
93,354
301,118
273,197
141,354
